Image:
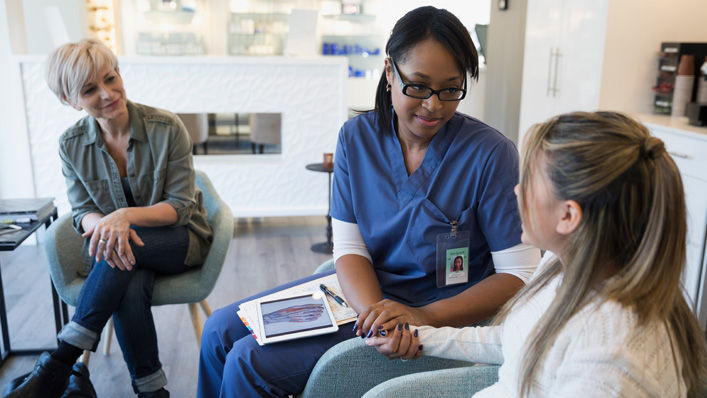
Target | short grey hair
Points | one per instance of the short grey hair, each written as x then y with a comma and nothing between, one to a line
70,66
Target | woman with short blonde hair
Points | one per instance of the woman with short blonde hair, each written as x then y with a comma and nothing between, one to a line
605,313
131,185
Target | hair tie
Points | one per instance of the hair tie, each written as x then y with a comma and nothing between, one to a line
651,147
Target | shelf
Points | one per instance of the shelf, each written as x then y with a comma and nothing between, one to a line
177,17
356,18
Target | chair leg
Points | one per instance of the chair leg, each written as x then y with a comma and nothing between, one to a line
196,322
85,357
107,336
205,307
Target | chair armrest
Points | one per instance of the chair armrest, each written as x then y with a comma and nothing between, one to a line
63,249
459,382
325,267
351,368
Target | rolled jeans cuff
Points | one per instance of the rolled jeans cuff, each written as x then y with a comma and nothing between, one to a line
78,336
149,383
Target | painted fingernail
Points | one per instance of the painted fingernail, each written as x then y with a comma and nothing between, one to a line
419,348
407,326
382,332
415,333
400,326
355,327
380,327
370,333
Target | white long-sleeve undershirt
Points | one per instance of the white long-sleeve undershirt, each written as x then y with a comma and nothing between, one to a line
520,260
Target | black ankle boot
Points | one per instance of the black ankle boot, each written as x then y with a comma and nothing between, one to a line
48,380
79,383
161,393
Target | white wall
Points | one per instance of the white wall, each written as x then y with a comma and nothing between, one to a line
469,12
635,30
15,162
252,185
39,35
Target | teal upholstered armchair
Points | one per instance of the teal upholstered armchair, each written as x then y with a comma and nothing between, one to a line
63,249
351,369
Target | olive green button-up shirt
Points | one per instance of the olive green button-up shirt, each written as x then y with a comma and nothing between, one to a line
159,169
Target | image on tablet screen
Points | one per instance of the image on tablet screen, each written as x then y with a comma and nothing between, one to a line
295,314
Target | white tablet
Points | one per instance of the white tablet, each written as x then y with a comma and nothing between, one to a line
295,317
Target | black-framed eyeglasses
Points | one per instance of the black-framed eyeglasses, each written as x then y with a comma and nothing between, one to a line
420,91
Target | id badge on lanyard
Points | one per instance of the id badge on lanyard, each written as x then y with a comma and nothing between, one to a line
452,257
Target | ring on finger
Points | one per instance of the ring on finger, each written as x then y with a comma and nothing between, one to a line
102,241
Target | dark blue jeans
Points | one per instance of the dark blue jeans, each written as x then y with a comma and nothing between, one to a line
127,295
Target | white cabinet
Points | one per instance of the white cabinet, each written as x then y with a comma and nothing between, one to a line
688,147
562,60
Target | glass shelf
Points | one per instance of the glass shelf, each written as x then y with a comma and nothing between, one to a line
355,18
169,27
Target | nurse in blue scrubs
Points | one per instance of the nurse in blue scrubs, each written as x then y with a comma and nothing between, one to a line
416,185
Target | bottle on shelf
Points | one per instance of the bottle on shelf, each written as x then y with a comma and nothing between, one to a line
684,82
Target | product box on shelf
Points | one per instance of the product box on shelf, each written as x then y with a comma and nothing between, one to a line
672,75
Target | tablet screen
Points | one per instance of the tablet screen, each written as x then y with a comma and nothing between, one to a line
294,314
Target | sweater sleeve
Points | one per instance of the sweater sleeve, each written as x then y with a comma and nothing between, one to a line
474,344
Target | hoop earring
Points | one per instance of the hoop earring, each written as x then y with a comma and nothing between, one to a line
387,87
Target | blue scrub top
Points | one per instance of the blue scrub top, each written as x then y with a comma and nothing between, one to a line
468,174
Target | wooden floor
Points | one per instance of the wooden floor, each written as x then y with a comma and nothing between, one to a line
264,253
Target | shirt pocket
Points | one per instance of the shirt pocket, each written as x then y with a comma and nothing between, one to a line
99,191
427,220
147,194
468,220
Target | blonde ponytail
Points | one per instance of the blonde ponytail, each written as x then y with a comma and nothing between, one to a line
633,229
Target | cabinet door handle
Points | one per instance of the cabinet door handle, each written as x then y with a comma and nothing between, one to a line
679,155
555,89
549,73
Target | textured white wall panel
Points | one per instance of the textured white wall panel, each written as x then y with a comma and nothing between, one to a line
310,94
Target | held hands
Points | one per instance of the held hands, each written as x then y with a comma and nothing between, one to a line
386,315
400,342
110,239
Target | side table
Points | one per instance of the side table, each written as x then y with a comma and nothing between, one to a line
10,243
328,246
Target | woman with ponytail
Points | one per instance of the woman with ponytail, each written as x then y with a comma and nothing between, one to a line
415,186
605,314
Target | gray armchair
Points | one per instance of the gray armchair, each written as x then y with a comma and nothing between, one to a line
445,383
265,129
63,249
197,124
351,368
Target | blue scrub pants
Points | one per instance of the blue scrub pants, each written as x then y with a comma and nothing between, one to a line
232,364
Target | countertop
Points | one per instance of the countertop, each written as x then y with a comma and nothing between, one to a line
678,124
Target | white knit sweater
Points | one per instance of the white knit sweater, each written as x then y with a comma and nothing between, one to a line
594,354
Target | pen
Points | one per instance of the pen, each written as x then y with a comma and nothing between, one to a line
334,296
